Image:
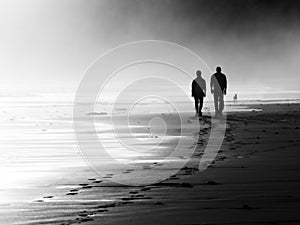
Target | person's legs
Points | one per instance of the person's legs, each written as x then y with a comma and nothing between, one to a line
216,101
196,104
200,106
221,107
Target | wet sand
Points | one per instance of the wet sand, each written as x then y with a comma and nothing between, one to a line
253,180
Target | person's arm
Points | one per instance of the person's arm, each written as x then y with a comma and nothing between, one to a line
225,89
193,88
211,84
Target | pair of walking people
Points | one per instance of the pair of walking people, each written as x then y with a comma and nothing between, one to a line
218,86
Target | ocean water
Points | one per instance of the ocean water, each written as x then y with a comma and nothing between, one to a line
36,142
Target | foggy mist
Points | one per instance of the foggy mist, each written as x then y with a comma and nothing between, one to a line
48,45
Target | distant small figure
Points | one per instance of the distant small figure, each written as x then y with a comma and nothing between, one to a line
198,92
235,99
218,86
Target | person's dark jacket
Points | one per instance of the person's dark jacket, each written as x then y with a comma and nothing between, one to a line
198,88
218,83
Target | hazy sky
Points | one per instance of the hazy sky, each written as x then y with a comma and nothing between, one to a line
48,44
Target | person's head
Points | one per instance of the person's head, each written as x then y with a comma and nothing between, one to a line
218,69
198,73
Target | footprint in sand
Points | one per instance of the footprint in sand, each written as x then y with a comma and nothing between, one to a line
188,185
50,196
181,184
86,187
187,173
159,164
85,219
84,214
102,210
158,203
135,197
107,206
138,196
247,207
127,199
221,158
74,190
211,182
199,154
97,181
173,177
146,189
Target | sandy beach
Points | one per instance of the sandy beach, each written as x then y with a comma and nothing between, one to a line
253,180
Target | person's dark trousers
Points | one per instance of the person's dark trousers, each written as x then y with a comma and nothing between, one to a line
198,106
219,102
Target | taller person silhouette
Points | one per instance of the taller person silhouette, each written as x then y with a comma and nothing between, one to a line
198,92
218,86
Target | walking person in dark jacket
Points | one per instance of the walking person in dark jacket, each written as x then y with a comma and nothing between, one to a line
198,92
218,86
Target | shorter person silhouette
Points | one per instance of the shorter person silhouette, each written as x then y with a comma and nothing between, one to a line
218,86
198,92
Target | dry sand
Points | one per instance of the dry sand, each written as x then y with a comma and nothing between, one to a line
254,180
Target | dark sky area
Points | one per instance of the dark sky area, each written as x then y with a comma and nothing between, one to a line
50,43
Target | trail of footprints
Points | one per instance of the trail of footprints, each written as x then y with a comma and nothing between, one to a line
135,194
